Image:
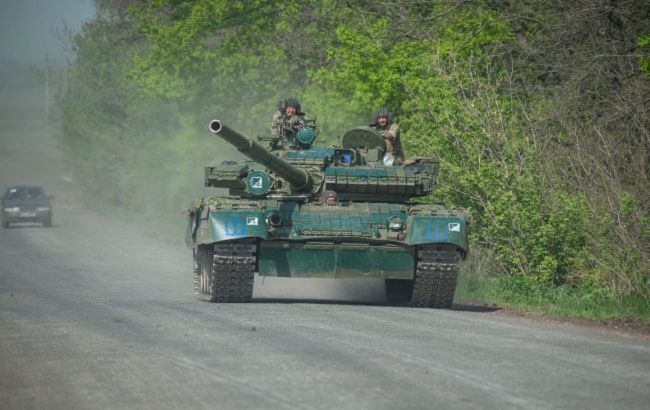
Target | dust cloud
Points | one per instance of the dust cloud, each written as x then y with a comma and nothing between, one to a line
321,289
28,153
29,41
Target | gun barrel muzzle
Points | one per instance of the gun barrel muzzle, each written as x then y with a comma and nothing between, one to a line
215,126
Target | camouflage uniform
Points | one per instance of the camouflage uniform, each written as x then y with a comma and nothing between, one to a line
390,132
282,125
285,127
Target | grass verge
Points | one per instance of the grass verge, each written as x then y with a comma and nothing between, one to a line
521,293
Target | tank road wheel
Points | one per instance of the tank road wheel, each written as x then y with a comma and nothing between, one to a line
226,271
435,279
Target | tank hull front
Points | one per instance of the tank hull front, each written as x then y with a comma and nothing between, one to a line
327,259
352,240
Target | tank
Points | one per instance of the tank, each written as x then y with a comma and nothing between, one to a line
276,220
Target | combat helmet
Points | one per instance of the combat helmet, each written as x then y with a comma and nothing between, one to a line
382,111
292,102
288,102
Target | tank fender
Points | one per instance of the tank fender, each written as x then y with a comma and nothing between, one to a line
234,224
432,229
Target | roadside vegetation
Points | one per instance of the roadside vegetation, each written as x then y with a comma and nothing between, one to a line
538,112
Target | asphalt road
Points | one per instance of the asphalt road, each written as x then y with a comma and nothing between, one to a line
96,315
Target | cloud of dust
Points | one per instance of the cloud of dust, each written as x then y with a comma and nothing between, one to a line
28,150
323,289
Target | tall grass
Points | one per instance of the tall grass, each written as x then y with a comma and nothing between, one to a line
481,282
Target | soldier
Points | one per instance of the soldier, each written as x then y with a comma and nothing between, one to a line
331,198
382,122
287,121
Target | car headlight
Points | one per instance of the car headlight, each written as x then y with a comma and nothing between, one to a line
42,208
13,209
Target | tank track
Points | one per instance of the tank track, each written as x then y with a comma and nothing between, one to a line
435,279
225,271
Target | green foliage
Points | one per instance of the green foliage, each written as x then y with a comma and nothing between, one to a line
519,292
644,41
216,56
95,109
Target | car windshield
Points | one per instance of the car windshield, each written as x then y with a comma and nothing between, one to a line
24,193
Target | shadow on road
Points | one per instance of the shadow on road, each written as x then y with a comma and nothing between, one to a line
461,307
469,307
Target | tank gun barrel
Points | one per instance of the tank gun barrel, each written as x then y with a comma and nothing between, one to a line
298,178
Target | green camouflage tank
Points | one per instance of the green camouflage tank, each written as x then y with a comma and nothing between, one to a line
276,220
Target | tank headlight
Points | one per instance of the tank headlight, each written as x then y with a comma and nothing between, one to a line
388,159
395,224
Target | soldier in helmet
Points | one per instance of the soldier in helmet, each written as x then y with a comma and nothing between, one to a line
328,198
383,123
287,121
331,198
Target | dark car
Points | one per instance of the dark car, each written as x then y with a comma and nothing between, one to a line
26,203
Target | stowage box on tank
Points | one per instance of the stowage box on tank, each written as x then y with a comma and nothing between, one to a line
275,221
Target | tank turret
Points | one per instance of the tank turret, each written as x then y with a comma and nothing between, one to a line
356,171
